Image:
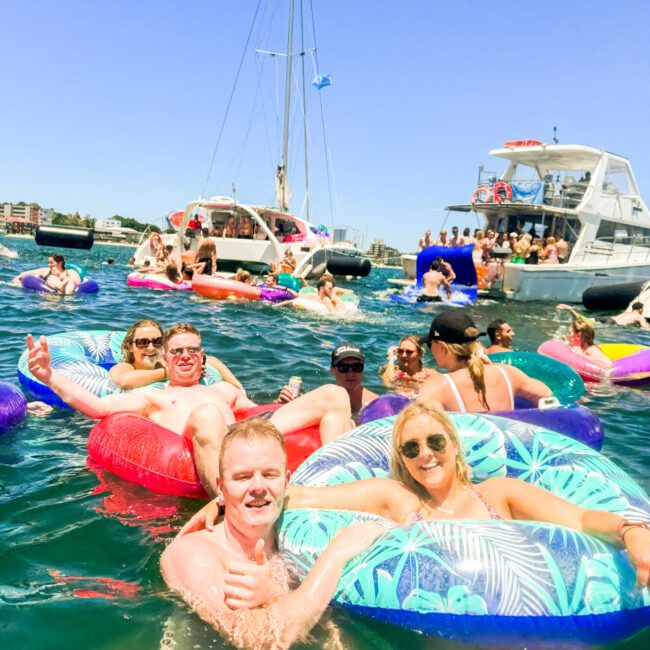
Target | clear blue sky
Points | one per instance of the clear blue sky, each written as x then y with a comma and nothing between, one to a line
115,107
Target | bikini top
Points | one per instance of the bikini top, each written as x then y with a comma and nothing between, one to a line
459,399
494,515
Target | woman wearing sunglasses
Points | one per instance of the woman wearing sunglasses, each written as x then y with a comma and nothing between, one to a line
142,350
431,481
404,370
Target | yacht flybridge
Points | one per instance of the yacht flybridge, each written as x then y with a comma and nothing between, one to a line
262,234
588,196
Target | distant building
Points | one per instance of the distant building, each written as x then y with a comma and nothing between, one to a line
116,233
107,224
382,253
22,218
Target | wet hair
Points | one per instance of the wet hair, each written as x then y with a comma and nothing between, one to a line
127,342
419,348
494,328
322,282
59,259
637,305
586,331
397,465
171,271
179,328
250,429
242,276
469,351
329,277
205,231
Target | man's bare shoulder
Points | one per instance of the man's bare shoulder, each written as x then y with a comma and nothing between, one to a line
200,551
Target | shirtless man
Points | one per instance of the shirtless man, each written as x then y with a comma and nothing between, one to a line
326,296
200,413
633,316
442,239
433,280
232,574
347,365
456,239
501,335
56,276
426,241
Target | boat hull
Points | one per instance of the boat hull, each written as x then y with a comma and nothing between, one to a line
565,282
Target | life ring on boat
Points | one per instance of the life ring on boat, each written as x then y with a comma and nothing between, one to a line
85,357
465,579
631,364
566,417
143,452
501,191
481,194
219,288
156,281
155,242
13,406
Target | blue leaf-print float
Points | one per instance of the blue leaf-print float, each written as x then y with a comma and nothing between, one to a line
85,357
500,581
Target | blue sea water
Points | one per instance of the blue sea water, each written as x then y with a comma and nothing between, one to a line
65,527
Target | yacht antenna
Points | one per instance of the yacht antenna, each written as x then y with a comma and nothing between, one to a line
555,140
284,203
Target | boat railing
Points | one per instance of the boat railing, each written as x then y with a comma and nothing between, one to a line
342,234
611,250
567,193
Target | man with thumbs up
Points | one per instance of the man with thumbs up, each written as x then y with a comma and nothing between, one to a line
232,574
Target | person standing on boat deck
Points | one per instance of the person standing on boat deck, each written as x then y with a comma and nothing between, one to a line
232,574
202,414
467,238
456,239
425,241
347,366
562,249
206,255
245,228
471,385
501,335
433,279
442,239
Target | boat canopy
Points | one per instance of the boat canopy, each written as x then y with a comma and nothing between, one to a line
568,157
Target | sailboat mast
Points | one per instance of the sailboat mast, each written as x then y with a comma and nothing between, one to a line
287,104
304,106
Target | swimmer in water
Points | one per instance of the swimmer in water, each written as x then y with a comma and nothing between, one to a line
232,575
57,278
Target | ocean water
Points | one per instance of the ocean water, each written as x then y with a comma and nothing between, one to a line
79,548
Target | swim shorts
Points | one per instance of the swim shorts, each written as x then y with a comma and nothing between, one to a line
424,298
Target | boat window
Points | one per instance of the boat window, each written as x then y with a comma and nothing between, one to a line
617,179
614,232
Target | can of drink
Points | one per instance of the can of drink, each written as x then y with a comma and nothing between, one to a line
295,384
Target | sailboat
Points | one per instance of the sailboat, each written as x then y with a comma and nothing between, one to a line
256,236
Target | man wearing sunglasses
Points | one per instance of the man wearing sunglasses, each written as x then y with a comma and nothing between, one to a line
347,366
200,413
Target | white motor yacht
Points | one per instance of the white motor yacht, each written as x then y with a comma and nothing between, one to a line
588,196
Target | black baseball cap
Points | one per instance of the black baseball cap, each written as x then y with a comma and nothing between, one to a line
455,326
345,350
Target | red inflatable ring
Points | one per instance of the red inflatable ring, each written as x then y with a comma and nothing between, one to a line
155,242
143,452
498,188
481,194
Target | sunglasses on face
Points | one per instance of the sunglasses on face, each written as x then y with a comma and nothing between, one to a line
435,442
144,343
192,349
408,353
354,367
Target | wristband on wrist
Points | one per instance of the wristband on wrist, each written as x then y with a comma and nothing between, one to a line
625,526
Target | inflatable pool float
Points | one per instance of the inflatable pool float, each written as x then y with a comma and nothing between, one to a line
88,285
350,301
13,406
156,281
143,452
631,364
85,357
214,286
506,582
567,417
412,292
